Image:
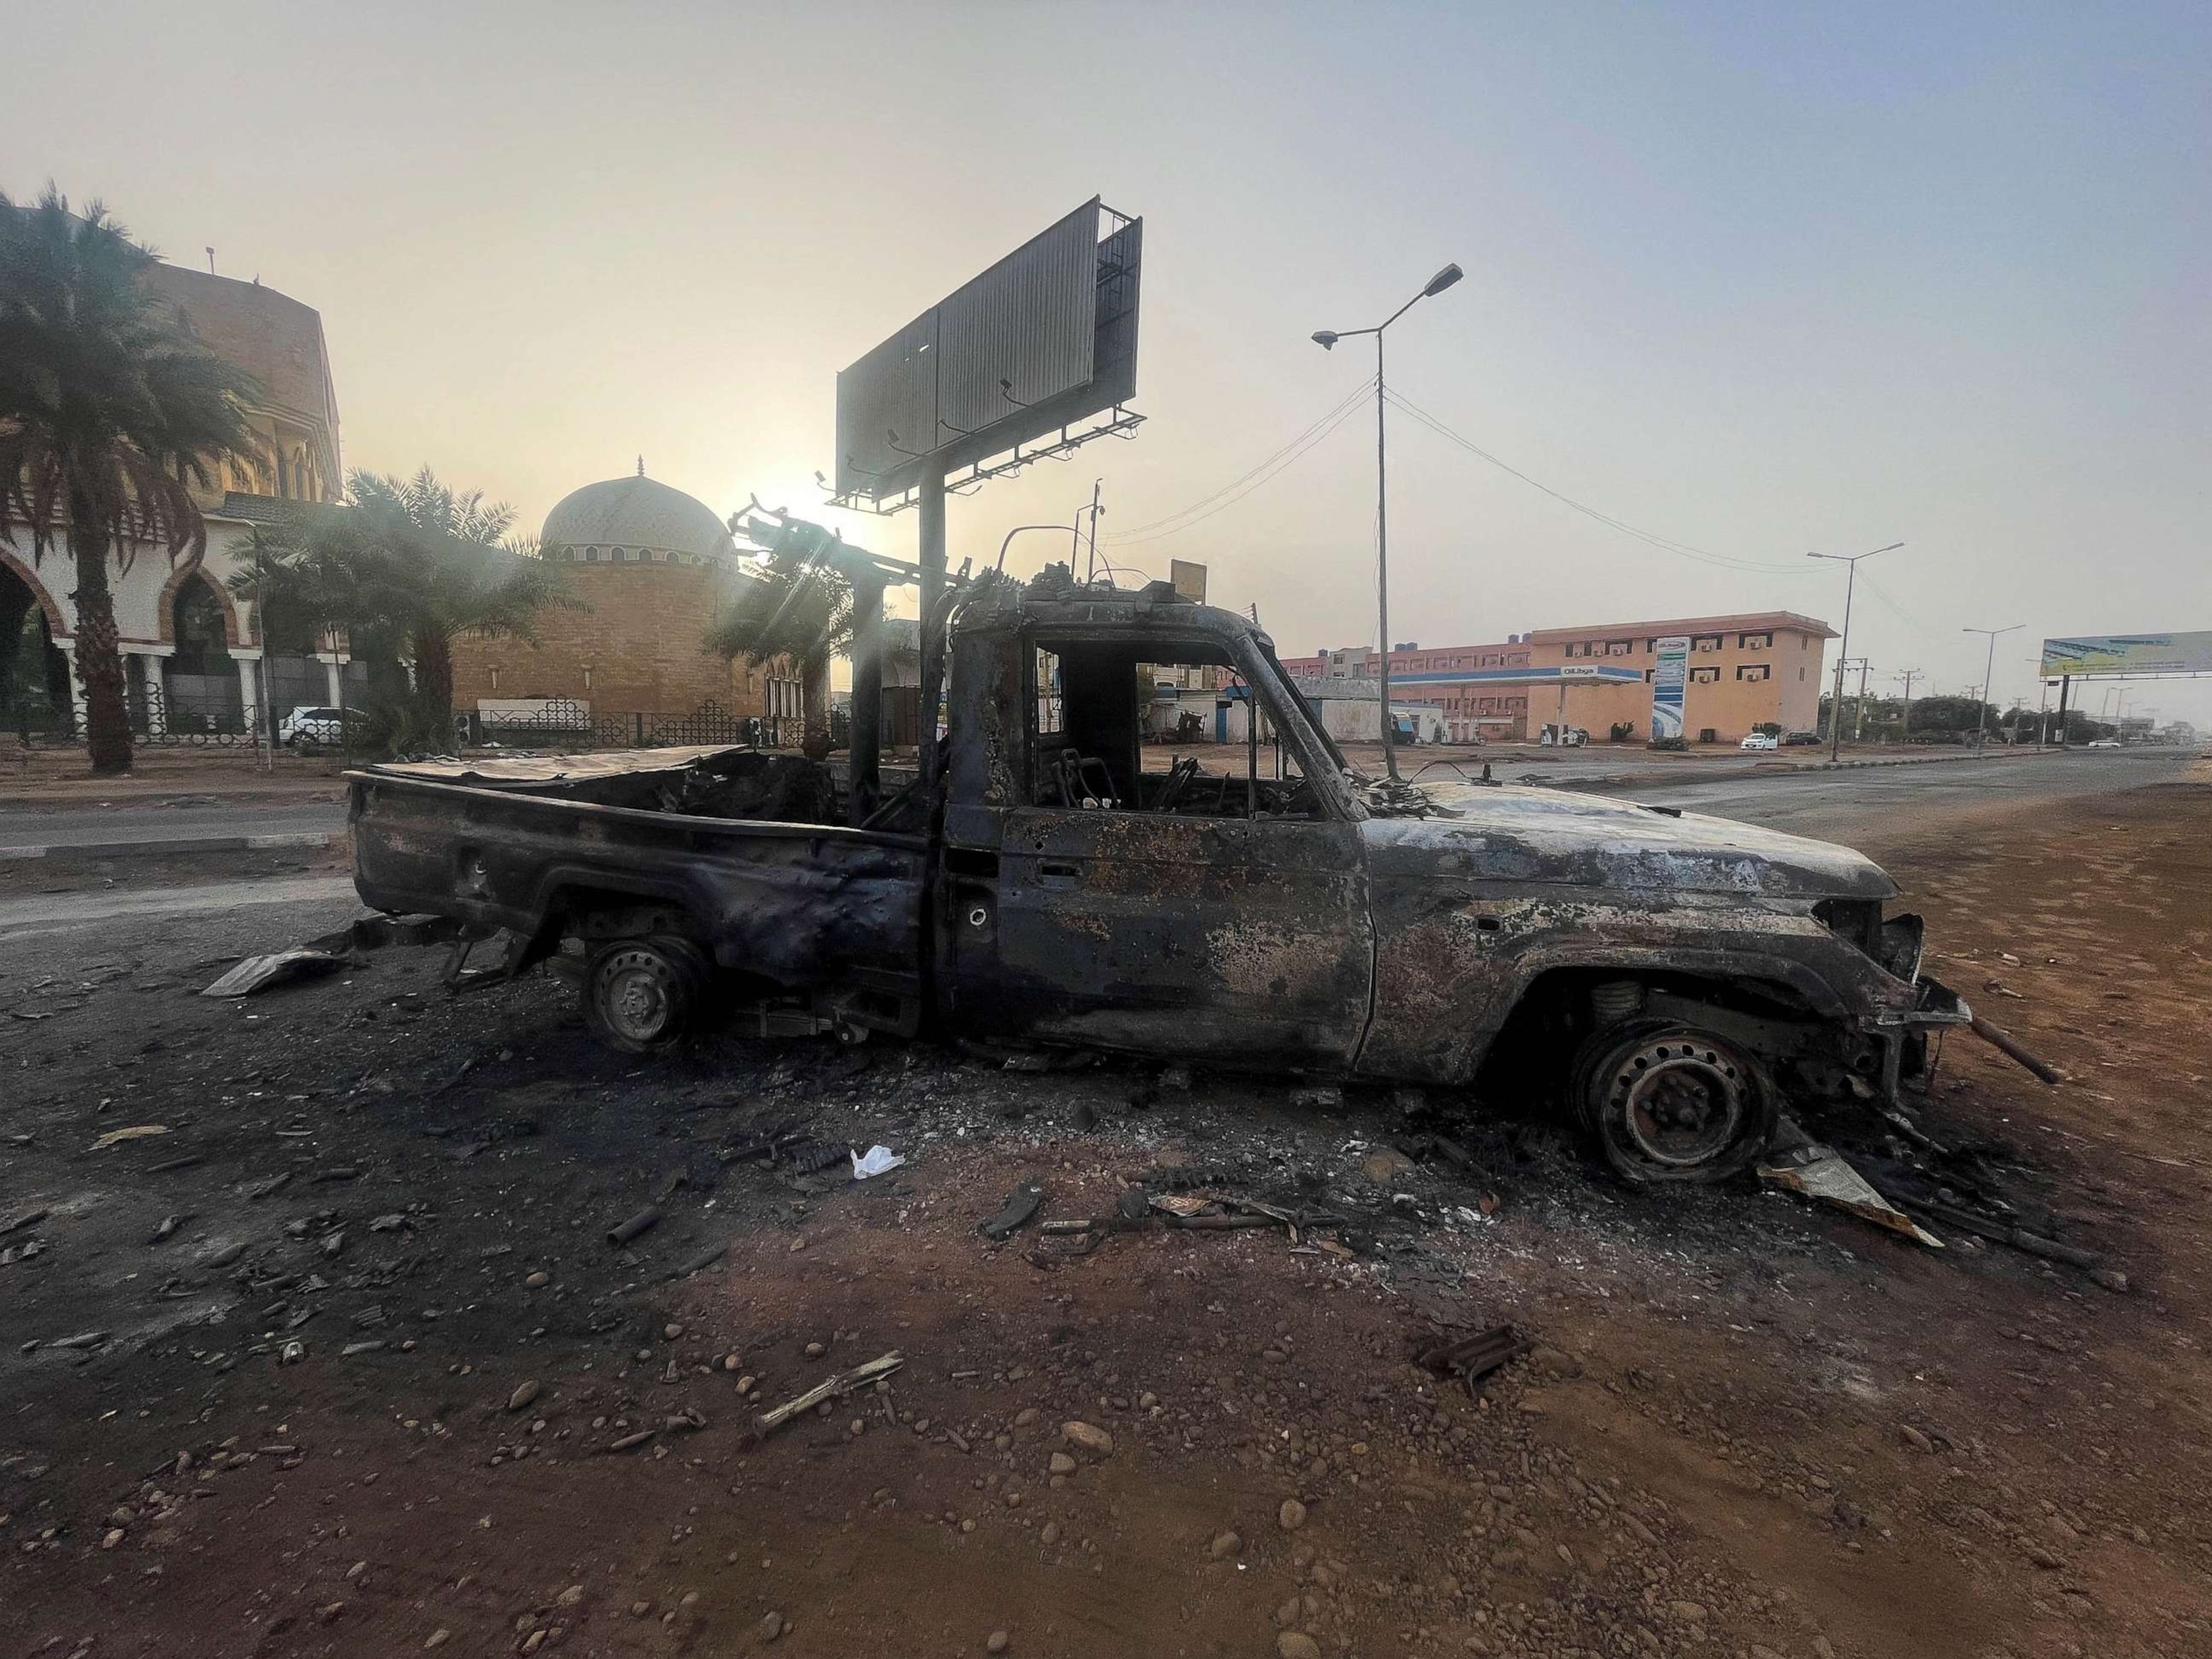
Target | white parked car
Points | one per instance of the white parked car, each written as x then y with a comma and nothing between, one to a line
312,725
1760,740
2103,743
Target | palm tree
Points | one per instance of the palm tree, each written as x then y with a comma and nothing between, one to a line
438,564
110,411
305,569
797,608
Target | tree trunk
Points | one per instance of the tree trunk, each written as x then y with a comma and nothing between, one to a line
98,663
815,680
434,675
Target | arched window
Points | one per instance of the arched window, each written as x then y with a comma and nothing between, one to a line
196,622
590,556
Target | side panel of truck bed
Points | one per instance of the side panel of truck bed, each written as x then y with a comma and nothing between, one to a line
800,904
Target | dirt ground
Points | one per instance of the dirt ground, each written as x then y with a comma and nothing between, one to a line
1747,1427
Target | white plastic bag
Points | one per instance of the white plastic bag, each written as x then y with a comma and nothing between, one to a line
875,1161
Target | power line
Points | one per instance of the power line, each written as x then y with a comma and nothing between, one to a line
1651,539
1230,493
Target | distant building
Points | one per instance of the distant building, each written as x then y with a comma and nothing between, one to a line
191,653
657,569
1746,670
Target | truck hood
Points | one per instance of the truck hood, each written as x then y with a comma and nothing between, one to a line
1508,833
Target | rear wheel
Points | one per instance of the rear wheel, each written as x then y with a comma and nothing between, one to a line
640,994
1668,1103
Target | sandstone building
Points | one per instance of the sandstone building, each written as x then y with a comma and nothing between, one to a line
192,654
657,569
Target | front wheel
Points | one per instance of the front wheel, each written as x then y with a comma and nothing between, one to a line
640,994
1668,1103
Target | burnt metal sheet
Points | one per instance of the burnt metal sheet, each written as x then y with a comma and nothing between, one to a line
802,905
550,768
1222,940
1469,910
1509,834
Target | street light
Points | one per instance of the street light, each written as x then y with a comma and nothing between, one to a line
1989,668
1843,645
1326,339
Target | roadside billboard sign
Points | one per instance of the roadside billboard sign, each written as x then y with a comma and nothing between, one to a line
2128,653
1579,670
1668,681
1189,580
1044,339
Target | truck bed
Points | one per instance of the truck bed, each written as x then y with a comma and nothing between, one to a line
530,845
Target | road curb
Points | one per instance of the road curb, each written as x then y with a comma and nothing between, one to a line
174,847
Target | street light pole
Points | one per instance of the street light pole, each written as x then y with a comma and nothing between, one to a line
1843,645
1327,339
1989,670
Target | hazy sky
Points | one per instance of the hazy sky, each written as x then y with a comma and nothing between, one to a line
1761,279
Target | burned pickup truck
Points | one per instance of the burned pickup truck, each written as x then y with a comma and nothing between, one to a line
1670,979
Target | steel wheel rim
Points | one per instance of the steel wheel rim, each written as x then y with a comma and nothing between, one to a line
1681,1103
637,993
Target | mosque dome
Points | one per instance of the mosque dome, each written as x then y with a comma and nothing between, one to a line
635,521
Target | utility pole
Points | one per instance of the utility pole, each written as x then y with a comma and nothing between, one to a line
1909,675
1091,574
1843,645
1989,671
1859,718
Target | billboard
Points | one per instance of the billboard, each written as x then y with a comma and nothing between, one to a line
2129,653
1044,339
1669,680
1188,580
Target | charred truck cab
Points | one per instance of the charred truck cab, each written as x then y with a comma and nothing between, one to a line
1673,979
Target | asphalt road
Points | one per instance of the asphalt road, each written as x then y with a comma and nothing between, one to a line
101,826
1833,805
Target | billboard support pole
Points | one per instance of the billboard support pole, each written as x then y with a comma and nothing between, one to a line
2065,692
865,741
930,499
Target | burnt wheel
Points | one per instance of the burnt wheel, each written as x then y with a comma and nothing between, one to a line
1668,1103
641,994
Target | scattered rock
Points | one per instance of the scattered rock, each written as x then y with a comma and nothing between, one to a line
114,1537
671,1331
1690,1613
538,1280
771,1627
2110,1279
1050,1536
570,1597
1385,1165
523,1394
439,1638
816,1350
1296,1645
997,1642
1088,1436
1225,1545
1023,1418
1292,1515
1062,1463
